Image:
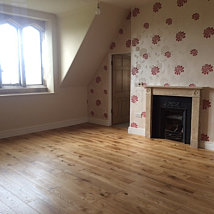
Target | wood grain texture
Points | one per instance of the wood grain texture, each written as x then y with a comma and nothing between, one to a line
121,65
90,169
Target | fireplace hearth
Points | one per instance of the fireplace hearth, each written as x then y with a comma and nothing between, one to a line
172,118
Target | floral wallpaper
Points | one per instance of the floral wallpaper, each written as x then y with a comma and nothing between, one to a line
172,45
98,93
98,89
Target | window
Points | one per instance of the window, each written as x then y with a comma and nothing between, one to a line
32,56
21,52
9,55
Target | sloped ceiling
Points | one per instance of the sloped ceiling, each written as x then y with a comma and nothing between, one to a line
62,6
95,45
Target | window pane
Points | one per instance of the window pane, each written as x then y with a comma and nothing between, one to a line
32,55
9,56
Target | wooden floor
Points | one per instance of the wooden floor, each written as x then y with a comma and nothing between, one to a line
99,170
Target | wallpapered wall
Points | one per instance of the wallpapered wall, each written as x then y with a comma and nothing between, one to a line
99,88
172,45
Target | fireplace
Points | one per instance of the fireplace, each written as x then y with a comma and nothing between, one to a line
172,118
178,122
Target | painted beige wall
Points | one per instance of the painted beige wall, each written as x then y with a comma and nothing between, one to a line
73,27
95,45
66,105
22,111
33,112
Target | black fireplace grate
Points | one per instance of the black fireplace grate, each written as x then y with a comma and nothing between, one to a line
171,118
173,135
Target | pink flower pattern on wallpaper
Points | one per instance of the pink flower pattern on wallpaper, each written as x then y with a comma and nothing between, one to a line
146,25
113,45
168,54
195,16
155,70
98,79
169,21
206,104
206,69
135,42
156,7
194,52
135,71
98,102
155,39
179,69
192,85
181,3
128,43
205,137
134,125
135,12
208,32
134,99
145,56
143,114
175,48
98,97
180,36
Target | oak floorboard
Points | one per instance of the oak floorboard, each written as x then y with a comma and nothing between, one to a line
91,169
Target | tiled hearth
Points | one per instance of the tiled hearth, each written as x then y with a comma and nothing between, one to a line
194,93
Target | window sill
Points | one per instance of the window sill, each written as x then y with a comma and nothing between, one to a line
17,90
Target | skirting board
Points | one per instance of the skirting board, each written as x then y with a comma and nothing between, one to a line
137,131
43,127
207,145
99,121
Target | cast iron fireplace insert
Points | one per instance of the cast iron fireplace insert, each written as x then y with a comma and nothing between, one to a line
171,118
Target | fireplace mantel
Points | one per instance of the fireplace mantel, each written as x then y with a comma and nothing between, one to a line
193,92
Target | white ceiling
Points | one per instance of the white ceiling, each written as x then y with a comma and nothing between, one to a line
61,6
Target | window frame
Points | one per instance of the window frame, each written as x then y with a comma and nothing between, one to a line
21,62
22,58
49,61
